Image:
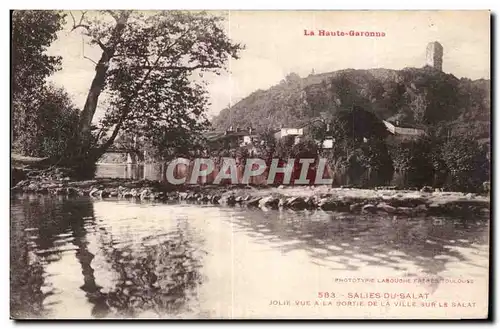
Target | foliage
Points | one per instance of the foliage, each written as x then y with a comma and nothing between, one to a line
355,124
467,164
306,149
283,147
267,144
53,123
414,96
32,105
146,70
30,63
359,150
168,143
416,161
59,119
456,163
317,131
376,161
368,164
354,103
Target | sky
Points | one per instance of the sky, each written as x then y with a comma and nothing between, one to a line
276,45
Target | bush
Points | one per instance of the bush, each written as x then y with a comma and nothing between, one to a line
377,163
413,162
49,131
457,163
466,162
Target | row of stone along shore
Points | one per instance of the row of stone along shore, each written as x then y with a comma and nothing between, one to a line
409,203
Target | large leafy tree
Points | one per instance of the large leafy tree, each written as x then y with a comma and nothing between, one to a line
467,163
359,150
146,69
33,31
58,120
48,132
415,160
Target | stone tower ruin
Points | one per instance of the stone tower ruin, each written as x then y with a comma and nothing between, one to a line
434,55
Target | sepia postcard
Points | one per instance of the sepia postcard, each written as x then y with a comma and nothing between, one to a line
250,164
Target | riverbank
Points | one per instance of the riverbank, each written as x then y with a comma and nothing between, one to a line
353,200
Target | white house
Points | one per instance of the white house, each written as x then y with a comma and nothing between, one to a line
296,132
288,132
327,143
395,130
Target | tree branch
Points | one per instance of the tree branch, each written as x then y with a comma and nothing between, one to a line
162,53
121,17
179,68
125,113
102,45
113,14
86,27
80,25
99,134
75,26
143,56
90,59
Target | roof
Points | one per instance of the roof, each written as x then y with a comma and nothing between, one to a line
397,130
213,136
299,126
237,133
402,122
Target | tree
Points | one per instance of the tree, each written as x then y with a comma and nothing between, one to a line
53,121
266,145
376,160
318,130
415,161
58,121
291,78
359,151
467,163
146,69
306,149
32,33
356,124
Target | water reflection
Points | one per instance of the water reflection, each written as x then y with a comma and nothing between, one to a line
158,277
77,258
152,276
349,242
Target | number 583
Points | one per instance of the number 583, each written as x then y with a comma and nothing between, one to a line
326,294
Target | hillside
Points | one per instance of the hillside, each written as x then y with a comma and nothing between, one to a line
413,96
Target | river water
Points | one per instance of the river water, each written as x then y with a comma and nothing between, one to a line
83,258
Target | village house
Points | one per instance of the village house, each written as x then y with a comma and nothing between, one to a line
328,141
298,134
233,138
403,132
247,138
396,131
